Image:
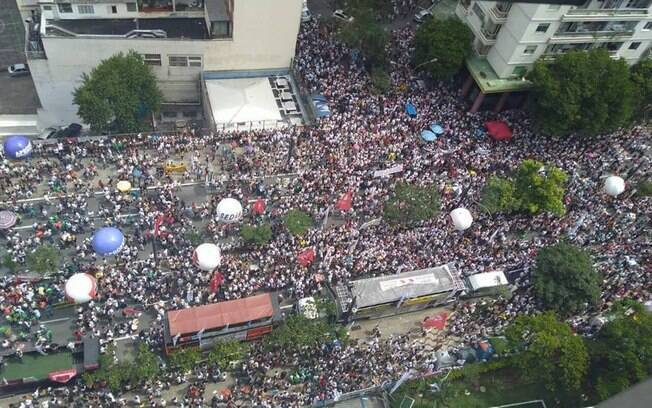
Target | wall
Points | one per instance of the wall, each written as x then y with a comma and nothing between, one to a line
259,42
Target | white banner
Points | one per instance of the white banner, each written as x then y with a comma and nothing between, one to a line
394,169
413,280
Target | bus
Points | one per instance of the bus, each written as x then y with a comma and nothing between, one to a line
393,294
201,326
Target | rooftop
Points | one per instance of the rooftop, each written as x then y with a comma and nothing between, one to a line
192,28
487,79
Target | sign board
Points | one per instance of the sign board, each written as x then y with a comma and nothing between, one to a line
386,172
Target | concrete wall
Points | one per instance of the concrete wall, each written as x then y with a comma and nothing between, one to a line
264,37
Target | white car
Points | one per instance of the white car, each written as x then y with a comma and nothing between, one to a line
422,16
18,70
341,15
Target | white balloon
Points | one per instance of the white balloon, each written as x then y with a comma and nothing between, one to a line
207,257
229,210
81,287
462,218
614,185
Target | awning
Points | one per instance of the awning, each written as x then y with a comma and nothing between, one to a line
242,100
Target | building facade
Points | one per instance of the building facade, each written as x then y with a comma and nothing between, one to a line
179,39
511,37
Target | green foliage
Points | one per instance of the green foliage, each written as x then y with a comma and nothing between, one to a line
226,352
185,359
110,374
549,352
380,80
642,79
584,92
621,352
539,188
380,8
500,345
411,203
119,94
9,263
365,34
564,278
498,195
256,235
447,41
146,365
195,237
297,222
298,332
644,188
44,259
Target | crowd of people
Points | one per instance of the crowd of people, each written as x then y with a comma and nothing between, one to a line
364,132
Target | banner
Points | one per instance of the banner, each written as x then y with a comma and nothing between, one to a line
394,169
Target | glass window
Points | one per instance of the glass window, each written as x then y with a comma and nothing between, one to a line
85,9
190,114
176,61
152,59
131,7
169,114
648,26
47,8
519,71
65,8
542,28
194,61
530,49
634,45
478,11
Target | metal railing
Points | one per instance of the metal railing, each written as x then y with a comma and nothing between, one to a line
607,12
614,33
489,35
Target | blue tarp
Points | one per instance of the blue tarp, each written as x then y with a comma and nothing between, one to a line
410,109
436,128
321,106
428,136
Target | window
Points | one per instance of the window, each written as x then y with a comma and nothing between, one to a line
131,7
478,11
194,61
169,114
634,45
114,9
542,28
530,49
85,9
190,114
640,4
152,59
178,61
65,7
554,7
47,8
519,71
648,26
220,29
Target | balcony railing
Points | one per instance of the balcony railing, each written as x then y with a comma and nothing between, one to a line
618,33
33,55
489,35
607,12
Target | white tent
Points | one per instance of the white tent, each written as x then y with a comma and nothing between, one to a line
239,100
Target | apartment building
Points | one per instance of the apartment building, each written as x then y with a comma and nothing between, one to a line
510,37
184,41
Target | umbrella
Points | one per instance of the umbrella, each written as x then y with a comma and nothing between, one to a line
123,186
498,130
410,109
436,128
7,219
345,202
306,257
259,207
428,136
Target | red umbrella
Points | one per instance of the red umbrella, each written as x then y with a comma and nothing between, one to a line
498,130
216,281
345,202
306,257
259,207
437,321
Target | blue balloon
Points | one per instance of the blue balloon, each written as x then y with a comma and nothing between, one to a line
107,241
436,129
17,147
428,136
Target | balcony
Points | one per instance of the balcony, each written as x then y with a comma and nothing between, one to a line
605,14
584,36
490,34
500,11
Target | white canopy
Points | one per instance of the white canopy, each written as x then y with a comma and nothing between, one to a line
239,100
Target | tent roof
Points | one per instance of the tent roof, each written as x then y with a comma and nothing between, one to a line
239,100
487,280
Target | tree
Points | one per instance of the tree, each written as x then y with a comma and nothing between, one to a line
644,188
256,235
539,188
119,94
549,351
564,278
297,222
226,352
441,46
584,92
642,79
185,359
380,80
298,333
498,195
146,366
111,373
44,259
621,352
412,203
365,34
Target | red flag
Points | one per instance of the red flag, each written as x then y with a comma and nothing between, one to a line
345,203
216,281
157,224
259,207
306,257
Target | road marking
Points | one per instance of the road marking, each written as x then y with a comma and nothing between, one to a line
63,319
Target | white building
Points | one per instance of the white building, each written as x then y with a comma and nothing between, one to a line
510,37
184,41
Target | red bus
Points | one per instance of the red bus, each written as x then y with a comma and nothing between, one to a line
242,319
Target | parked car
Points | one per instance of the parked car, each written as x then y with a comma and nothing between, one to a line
18,70
422,16
341,15
71,131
